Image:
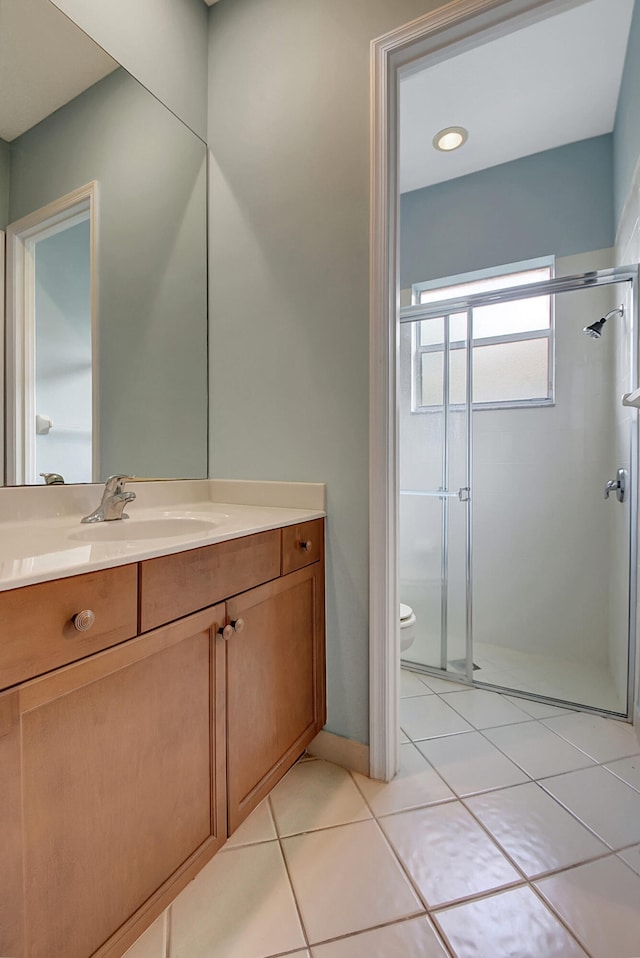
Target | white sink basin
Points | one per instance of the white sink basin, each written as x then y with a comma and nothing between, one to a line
128,530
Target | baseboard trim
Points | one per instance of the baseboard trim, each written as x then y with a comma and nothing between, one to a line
341,751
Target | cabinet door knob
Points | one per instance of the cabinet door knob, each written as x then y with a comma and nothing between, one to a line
84,620
306,545
237,625
226,632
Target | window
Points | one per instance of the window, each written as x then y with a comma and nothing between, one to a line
512,342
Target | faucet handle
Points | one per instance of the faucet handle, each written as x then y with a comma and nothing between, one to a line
116,483
52,478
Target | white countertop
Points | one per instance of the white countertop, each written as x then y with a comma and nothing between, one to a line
51,546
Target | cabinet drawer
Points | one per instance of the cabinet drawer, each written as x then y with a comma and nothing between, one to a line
302,545
37,632
176,585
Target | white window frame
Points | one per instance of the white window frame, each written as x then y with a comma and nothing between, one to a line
417,350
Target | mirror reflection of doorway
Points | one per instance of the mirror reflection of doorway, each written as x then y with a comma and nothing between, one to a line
63,354
50,324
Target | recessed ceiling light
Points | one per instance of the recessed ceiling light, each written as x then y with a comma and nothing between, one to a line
452,138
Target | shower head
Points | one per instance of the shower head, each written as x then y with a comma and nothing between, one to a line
595,330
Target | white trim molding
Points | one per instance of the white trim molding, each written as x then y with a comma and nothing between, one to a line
341,751
452,28
22,236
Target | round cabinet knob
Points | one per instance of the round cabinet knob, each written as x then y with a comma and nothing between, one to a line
238,624
306,545
226,633
84,620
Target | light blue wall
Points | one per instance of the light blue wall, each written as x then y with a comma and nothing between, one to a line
626,134
163,43
4,184
289,268
152,310
556,202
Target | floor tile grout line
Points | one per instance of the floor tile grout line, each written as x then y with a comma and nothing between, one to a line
482,791
538,781
289,879
167,932
373,818
575,815
547,905
436,772
444,936
287,954
409,878
525,715
580,749
561,919
432,909
619,777
393,851
379,927
525,882
538,877
431,913
412,808
533,778
542,778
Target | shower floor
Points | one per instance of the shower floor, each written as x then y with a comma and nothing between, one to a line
544,675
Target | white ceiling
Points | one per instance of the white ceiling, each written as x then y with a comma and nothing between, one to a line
37,43
548,84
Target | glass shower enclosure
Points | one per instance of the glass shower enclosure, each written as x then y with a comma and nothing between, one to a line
517,486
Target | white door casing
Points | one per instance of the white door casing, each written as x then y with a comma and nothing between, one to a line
454,26
21,238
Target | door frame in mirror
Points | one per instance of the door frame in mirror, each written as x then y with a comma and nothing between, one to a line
21,237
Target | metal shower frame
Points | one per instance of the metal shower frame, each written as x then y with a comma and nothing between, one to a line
466,304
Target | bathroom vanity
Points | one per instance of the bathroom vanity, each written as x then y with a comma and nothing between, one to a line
129,751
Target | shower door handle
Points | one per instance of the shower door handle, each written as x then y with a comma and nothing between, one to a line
617,485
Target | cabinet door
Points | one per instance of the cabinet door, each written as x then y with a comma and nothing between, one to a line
11,897
123,786
275,684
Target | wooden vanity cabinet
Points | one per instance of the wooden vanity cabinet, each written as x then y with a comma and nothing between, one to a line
122,773
275,684
122,758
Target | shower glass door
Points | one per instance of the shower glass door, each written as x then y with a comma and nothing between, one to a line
435,501
551,560
551,554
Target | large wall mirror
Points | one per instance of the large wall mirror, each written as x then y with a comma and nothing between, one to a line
103,216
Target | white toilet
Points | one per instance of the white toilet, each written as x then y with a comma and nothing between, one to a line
407,627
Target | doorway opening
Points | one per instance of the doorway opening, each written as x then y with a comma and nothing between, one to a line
51,388
458,28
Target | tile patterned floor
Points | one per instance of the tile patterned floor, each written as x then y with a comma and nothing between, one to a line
511,831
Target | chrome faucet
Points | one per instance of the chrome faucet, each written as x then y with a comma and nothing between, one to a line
113,501
52,478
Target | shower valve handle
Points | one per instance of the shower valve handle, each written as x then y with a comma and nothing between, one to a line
617,485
